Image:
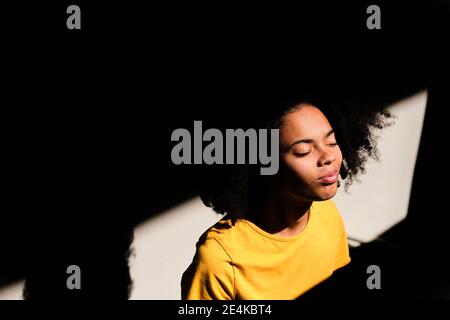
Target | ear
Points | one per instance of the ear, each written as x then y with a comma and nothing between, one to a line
343,171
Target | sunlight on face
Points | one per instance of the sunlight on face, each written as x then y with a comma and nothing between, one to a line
310,157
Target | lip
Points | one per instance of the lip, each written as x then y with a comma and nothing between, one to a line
330,177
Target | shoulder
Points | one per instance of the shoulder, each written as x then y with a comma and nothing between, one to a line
211,252
217,243
327,206
210,274
211,247
221,230
328,213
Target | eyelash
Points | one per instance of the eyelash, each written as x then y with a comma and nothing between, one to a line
301,154
306,153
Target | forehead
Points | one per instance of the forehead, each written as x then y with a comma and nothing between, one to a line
307,122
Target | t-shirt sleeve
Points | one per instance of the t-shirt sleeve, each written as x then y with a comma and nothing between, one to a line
210,275
342,251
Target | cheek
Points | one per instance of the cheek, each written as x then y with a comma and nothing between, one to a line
299,171
338,156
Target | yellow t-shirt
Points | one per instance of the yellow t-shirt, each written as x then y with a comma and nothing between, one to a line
244,262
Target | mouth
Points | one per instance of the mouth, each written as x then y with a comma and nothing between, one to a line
329,178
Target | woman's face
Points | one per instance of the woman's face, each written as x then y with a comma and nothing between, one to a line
309,155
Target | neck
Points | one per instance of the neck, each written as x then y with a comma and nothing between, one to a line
281,214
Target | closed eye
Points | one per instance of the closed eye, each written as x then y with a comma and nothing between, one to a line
301,154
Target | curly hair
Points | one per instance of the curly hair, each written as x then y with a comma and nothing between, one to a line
233,190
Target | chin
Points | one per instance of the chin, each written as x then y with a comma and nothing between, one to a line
327,194
316,193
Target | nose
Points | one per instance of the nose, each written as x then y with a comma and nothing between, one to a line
326,158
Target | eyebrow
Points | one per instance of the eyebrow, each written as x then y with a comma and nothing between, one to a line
307,140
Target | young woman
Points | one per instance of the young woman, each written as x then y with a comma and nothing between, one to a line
282,234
